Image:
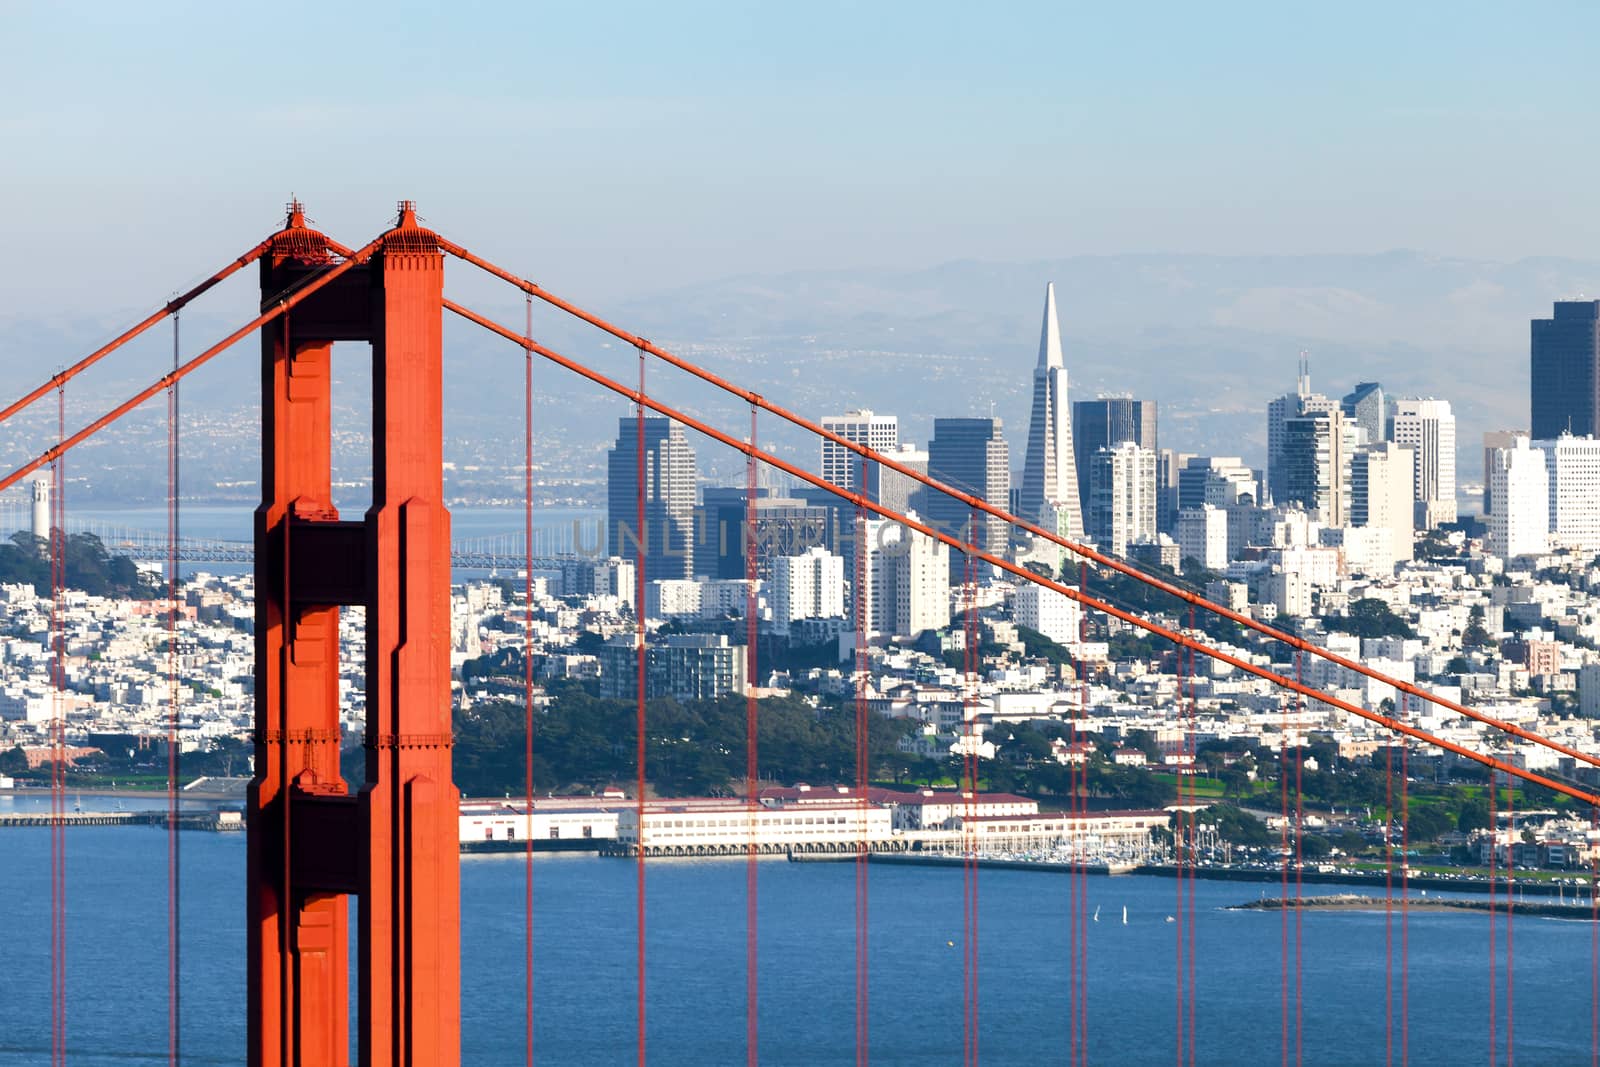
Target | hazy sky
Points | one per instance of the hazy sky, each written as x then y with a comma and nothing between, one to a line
612,148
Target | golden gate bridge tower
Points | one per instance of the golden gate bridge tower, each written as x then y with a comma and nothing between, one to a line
312,846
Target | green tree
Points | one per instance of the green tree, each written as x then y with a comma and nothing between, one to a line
1474,815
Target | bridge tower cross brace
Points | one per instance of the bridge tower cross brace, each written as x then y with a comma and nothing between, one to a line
312,845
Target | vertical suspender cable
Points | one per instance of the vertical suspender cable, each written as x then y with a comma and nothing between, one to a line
1494,844
173,746
642,543
1388,905
1193,796
752,761
1405,910
1283,890
1182,828
58,753
861,961
1080,802
969,866
1299,864
527,686
1511,907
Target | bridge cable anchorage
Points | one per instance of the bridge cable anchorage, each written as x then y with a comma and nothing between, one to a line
752,762
1080,550
174,748
642,552
171,307
527,678
911,524
195,363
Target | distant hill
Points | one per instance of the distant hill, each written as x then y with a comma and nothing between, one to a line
1212,338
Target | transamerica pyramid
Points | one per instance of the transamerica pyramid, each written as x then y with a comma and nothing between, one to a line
1049,477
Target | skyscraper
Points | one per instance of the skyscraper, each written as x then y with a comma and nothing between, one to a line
1428,428
1364,406
669,491
969,455
1564,371
1493,439
1122,497
842,467
1105,422
1049,494
1315,464
1291,405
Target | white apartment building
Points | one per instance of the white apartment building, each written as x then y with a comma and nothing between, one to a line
1520,524
907,580
881,433
1122,497
1053,614
1203,536
1428,428
807,586
1382,496
1573,466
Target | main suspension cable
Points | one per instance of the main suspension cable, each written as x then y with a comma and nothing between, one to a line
1082,551
864,502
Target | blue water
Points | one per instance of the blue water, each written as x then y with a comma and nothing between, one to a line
585,974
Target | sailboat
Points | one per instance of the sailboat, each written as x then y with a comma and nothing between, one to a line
1097,913
1124,915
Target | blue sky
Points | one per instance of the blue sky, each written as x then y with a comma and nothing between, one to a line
616,148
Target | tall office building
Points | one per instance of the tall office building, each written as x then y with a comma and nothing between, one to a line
1520,525
1122,497
1107,421
970,455
1428,428
1169,464
784,526
1290,406
1049,493
1382,496
669,490
1315,464
1573,467
1564,371
840,465
1364,406
1216,480
1493,439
